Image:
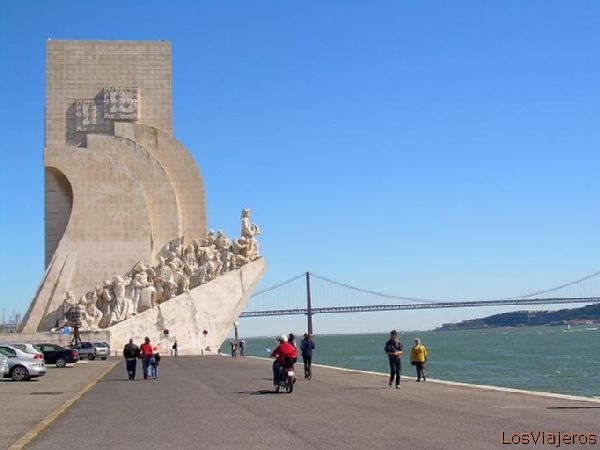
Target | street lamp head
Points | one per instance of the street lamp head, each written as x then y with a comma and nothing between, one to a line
236,324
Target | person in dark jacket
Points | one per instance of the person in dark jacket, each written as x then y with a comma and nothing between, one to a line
292,340
393,348
306,347
131,353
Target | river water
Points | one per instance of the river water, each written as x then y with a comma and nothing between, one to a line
551,359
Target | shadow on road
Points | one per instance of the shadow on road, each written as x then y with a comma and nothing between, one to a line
365,388
261,392
573,407
10,380
116,379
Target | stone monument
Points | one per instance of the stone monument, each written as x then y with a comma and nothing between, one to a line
126,240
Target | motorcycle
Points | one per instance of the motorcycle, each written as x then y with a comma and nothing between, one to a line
287,378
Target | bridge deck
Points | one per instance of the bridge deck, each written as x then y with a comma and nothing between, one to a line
218,402
412,306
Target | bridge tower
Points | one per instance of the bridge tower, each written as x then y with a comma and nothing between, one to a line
309,312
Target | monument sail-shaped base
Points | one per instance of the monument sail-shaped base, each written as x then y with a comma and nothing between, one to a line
213,307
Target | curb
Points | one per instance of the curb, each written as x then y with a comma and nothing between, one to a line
45,422
483,387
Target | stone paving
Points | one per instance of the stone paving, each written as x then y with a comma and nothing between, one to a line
223,403
24,404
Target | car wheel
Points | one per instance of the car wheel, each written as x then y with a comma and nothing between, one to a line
61,362
19,373
91,356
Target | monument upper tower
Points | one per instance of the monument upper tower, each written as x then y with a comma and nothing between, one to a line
118,186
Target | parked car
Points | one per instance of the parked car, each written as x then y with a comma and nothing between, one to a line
27,348
22,368
92,350
21,352
3,366
55,354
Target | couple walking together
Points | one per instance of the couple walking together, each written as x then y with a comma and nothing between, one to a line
149,355
418,357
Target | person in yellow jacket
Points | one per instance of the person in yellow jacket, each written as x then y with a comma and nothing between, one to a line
418,358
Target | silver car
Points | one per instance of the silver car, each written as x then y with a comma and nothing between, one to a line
22,368
3,366
27,348
92,350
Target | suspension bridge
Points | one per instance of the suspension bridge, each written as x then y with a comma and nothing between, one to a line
309,294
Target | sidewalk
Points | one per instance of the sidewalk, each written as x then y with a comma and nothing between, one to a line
24,404
223,403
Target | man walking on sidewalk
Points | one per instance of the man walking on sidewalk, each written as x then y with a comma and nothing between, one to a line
131,353
307,346
393,348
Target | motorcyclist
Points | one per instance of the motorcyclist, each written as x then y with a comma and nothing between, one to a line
283,352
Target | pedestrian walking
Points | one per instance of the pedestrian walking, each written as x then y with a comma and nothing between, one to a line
233,345
147,355
418,358
292,340
174,351
242,347
155,363
307,346
393,348
131,353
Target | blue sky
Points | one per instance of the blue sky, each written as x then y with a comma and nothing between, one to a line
430,149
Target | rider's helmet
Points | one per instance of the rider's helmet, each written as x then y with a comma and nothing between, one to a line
282,338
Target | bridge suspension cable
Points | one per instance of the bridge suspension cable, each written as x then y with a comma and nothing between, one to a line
278,285
375,293
292,297
558,288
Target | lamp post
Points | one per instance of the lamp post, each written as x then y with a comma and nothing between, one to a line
236,324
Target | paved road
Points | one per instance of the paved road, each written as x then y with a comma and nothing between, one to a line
23,404
220,403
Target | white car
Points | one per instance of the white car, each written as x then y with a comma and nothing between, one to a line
27,348
20,353
22,368
3,366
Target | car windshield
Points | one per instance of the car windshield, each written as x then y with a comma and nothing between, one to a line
100,344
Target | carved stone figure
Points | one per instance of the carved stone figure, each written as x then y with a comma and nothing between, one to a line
122,304
77,315
164,281
222,245
180,280
143,292
248,229
239,248
252,250
105,301
68,303
94,315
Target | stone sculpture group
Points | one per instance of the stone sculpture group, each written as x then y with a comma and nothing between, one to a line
180,268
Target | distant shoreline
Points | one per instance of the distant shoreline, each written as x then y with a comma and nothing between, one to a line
588,315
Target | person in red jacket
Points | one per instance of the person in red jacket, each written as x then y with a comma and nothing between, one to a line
285,355
147,355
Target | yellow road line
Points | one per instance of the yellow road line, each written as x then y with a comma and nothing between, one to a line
42,424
